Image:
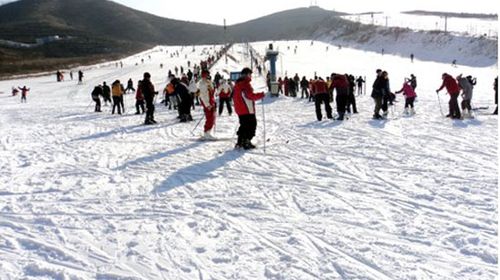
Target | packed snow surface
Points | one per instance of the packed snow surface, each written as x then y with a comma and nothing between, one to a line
87,195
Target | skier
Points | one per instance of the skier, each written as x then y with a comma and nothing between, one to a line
304,85
224,92
411,57
389,97
117,93
96,93
280,85
244,105
320,91
106,93
15,91
410,95
495,88
351,99
341,84
182,95
359,83
139,100
207,97
466,86
58,75
71,75
193,89
24,92
377,94
413,81
148,91
453,90
130,86
217,78
80,77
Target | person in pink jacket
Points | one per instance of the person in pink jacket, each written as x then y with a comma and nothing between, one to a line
410,96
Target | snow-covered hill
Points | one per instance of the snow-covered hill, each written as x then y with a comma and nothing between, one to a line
476,27
88,195
425,45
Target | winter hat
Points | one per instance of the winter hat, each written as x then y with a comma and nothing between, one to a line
147,75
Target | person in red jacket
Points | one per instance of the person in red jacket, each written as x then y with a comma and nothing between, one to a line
207,98
320,90
454,90
341,85
244,105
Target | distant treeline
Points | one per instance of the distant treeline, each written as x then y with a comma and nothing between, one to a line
457,15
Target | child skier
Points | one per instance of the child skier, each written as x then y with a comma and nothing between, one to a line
410,95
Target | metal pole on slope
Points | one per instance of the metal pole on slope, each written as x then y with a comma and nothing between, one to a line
439,100
197,124
264,122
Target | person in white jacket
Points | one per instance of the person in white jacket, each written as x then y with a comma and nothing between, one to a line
207,98
193,88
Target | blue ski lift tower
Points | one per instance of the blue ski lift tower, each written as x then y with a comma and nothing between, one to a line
272,56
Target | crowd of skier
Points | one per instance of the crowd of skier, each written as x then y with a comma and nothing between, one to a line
196,87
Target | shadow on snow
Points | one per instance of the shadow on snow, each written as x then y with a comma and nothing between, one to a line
196,172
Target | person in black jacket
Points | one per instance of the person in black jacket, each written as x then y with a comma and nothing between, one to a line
96,93
106,93
413,81
304,85
378,94
351,99
185,98
148,90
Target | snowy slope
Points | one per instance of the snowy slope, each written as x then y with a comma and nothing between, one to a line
85,195
467,26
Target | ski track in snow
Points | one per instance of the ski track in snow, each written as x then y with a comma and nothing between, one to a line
100,196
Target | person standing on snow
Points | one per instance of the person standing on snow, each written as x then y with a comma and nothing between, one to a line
320,92
341,84
351,99
244,105
224,92
413,81
410,95
495,88
207,98
304,86
130,86
359,84
466,87
181,92
139,100
453,90
378,92
96,93
148,91
24,92
106,93
117,92
80,77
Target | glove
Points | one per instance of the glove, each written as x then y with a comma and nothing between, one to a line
437,91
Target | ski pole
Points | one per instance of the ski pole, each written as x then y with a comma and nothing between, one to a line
89,105
197,124
264,122
439,100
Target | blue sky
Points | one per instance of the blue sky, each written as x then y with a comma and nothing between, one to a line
214,11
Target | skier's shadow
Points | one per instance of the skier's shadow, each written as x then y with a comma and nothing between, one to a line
196,172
